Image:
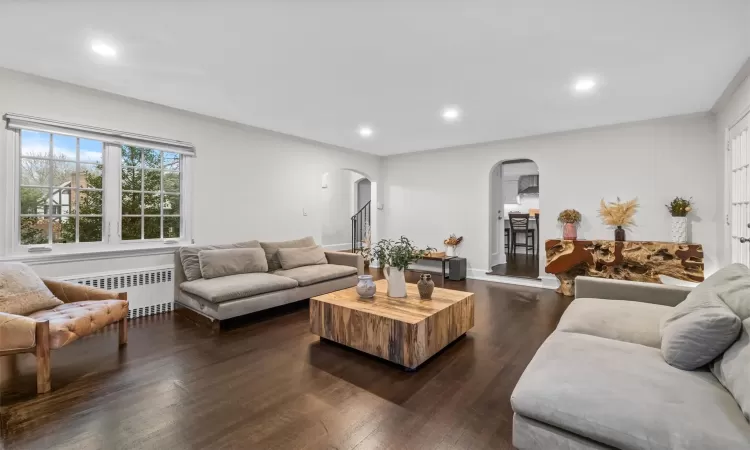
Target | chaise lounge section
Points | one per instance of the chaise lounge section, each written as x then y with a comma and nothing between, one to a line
600,381
290,271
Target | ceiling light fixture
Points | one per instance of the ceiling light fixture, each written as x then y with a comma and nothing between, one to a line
451,114
585,85
103,49
365,131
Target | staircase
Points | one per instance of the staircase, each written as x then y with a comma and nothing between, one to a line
360,225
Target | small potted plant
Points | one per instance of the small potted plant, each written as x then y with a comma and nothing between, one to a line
395,257
570,218
679,209
618,214
451,243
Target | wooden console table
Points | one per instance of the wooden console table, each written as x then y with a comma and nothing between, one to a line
626,260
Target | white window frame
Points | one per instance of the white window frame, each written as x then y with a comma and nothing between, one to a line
111,207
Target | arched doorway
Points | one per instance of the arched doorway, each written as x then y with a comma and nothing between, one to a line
347,215
515,243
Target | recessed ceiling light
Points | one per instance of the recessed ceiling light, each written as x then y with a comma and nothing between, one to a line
585,84
103,49
451,113
365,131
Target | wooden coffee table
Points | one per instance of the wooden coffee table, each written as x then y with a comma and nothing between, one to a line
406,331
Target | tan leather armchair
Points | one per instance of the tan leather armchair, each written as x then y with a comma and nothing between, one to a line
86,310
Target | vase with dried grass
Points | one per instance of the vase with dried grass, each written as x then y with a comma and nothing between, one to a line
618,214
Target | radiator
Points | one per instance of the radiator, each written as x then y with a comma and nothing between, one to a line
150,291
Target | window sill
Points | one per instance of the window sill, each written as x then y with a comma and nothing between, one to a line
105,252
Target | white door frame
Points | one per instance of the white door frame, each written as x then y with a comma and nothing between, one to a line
737,190
497,226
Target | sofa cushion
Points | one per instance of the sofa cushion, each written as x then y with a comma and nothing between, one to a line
733,369
191,262
16,332
732,285
622,320
22,292
231,261
291,258
237,286
624,395
71,321
272,247
700,328
308,275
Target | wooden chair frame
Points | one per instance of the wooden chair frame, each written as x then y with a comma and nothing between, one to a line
41,349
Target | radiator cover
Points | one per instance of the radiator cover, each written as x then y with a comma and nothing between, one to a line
150,291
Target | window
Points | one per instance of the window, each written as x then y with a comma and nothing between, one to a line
83,186
150,199
61,190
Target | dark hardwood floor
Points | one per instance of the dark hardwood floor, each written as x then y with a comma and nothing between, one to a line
268,383
519,265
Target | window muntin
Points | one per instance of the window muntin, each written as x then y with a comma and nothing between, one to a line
61,189
150,194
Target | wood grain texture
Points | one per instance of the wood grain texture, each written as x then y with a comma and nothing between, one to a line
42,350
270,384
626,260
406,331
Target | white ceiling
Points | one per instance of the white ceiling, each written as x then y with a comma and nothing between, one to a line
319,69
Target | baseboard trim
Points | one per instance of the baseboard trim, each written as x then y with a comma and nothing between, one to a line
481,274
550,281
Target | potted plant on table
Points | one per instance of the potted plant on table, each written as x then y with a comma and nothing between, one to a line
570,218
451,243
679,209
618,214
395,257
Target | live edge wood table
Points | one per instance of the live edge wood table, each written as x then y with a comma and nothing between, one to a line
406,331
622,260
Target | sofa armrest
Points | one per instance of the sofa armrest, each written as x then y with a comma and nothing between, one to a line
347,259
658,294
71,292
16,332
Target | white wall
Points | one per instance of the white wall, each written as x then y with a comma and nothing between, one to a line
732,109
336,209
429,195
248,183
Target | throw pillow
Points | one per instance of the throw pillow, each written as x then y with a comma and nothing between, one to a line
22,292
291,258
191,263
271,248
700,328
732,285
231,261
731,369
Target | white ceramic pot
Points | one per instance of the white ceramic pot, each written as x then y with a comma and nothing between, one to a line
366,287
450,250
679,229
396,282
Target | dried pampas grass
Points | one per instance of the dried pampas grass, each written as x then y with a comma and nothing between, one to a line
618,214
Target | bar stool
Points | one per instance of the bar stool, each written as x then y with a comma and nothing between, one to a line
519,223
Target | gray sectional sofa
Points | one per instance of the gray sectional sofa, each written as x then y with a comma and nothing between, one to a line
601,380
219,282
